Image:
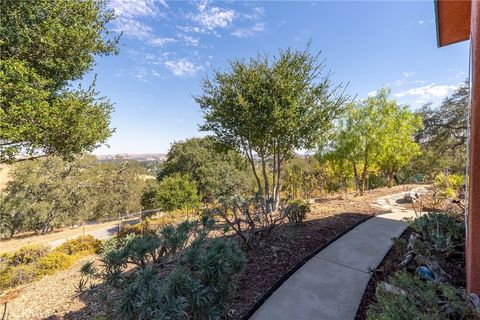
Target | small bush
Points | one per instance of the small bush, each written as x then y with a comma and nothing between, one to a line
449,186
31,262
83,245
297,210
24,255
130,229
441,230
17,275
55,260
418,299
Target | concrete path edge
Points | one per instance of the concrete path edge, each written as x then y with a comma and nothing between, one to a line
300,264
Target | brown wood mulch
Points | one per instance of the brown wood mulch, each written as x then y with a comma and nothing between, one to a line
54,297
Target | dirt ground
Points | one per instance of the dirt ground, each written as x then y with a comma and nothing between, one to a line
98,230
22,240
4,175
54,297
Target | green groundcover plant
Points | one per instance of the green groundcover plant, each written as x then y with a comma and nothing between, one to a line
32,262
439,242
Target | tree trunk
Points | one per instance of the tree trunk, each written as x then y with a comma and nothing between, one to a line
365,169
276,199
390,177
257,179
266,183
363,179
397,182
357,178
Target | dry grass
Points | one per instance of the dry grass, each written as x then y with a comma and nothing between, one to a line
4,175
28,238
51,297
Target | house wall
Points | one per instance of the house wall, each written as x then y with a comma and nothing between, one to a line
473,213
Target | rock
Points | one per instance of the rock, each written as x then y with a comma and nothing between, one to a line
410,197
425,273
390,288
439,275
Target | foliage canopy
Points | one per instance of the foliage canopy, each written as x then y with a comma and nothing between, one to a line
267,108
45,46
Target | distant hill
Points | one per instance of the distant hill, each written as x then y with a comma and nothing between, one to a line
157,157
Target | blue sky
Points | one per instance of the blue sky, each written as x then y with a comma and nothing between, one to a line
169,47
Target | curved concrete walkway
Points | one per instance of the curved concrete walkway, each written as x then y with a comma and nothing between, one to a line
332,283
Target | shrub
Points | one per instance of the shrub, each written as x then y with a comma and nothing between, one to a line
449,186
130,229
31,262
441,230
297,210
248,217
25,255
417,299
55,260
83,245
17,275
181,272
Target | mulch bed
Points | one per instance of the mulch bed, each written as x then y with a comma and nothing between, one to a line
290,245
278,257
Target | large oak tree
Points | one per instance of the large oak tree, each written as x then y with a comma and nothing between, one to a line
269,107
45,46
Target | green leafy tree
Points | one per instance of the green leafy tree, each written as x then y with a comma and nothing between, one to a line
302,176
45,46
175,192
357,140
217,172
443,137
375,134
267,108
50,192
397,145
43,194
336,171
119,186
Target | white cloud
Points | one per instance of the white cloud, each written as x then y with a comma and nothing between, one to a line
156,74
425,23
372,93
136,8
420,81
159,41
248,32
189,40
256,13
182,67
130,13
427,92
407,74
132,28
211,18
